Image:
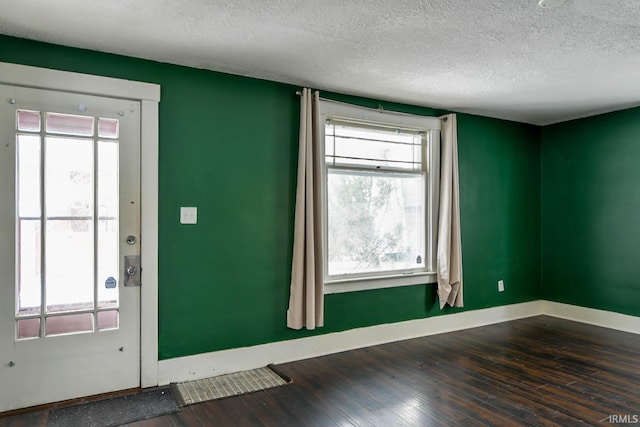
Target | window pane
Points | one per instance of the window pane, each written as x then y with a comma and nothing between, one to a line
71,323
28,328
108,206
107,320
375,222
329,141
373,147
68,124
349,150
28,120
373,163
108,128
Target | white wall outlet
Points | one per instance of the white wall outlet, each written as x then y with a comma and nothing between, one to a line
500,285
188,215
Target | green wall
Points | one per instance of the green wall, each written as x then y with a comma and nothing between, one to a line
228,145
591,212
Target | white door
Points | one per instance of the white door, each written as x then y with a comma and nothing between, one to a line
69,216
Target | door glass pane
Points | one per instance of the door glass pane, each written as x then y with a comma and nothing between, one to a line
29,279
28,328
28,227
68,124
69,177
107,320
70,323
28,120
69,242
29,176
108,128
108,206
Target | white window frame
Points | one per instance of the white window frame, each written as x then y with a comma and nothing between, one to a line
431,126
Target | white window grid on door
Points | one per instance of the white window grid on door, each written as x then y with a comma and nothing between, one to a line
92,316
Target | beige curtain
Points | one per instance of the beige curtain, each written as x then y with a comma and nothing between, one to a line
306,298
449,256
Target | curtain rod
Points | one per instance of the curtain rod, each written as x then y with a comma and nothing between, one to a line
379,109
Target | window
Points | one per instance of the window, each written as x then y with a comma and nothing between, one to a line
379,197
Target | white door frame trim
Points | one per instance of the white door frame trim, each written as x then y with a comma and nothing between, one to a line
149,96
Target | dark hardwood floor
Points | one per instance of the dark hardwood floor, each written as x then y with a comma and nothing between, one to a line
540,371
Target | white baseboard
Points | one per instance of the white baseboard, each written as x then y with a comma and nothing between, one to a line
607,319
238,359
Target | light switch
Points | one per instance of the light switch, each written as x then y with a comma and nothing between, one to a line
188,215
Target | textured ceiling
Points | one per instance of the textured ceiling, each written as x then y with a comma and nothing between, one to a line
509,59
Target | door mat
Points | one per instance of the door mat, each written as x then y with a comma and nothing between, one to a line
230,385
116,411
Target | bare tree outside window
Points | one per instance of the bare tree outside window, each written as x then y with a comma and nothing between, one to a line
375,199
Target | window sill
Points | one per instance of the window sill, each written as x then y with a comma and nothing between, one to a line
368,283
